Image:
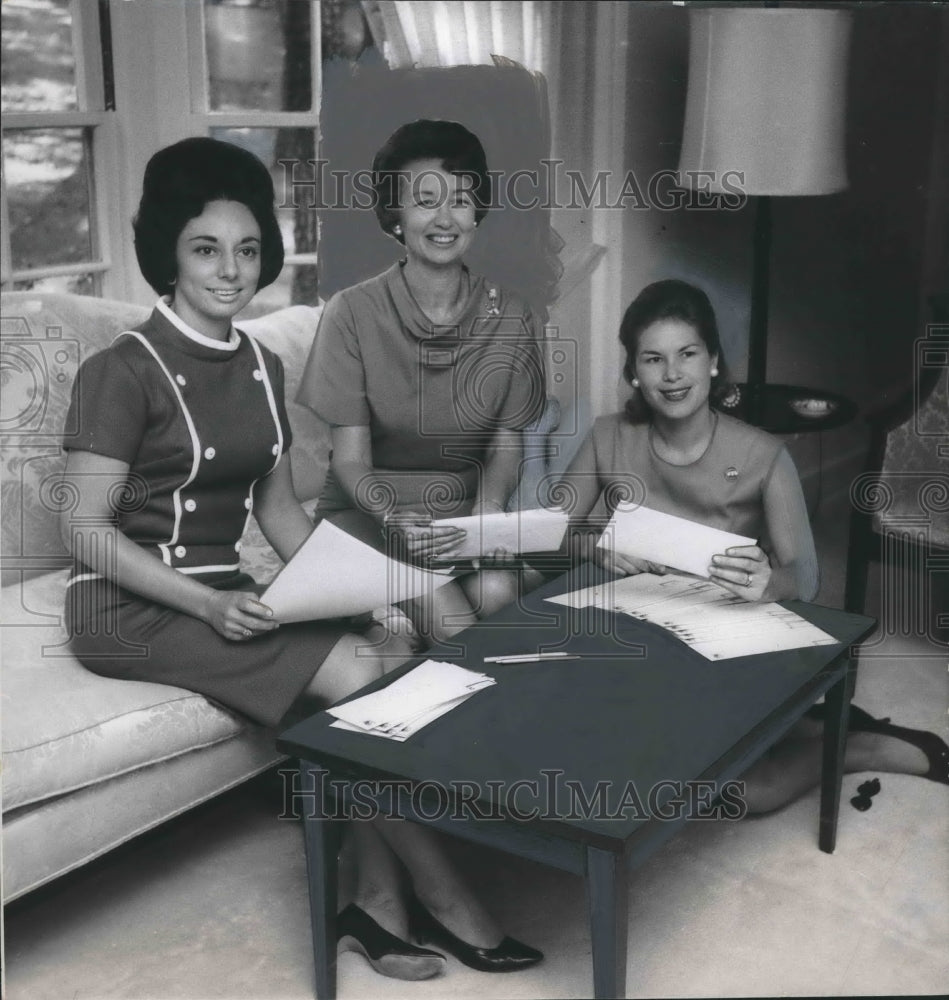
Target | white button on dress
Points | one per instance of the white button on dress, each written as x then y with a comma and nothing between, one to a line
180,551
190,505
258,374
248,503
209,453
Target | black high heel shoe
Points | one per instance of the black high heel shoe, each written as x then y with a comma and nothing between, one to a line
935,748
386,953
508,956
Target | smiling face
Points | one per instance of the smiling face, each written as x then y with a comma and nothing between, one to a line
218,257
437,214
674,369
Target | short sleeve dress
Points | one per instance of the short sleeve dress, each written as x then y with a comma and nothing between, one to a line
724,488
432,396
199,423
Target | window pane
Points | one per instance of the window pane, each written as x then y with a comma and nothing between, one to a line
47,175
258,55
78,284
39,65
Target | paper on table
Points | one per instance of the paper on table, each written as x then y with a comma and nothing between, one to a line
706,617
537,530
412,701
333,575
667,540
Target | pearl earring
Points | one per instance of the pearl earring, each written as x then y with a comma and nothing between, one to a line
397,230
635,383
714,373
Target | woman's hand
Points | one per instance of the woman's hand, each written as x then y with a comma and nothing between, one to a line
238,615
622,565
744,570
414,532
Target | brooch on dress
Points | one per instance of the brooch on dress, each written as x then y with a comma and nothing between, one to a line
493,309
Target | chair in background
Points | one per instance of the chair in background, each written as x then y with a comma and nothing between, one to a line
900,503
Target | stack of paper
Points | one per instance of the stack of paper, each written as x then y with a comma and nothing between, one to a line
417,698
710,619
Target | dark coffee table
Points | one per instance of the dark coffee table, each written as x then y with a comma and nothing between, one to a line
589,765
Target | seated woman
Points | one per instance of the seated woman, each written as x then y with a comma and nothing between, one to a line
698,463
427,373
182,434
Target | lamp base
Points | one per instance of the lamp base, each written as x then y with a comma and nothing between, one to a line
788,409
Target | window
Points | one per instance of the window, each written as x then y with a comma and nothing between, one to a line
92,88
58,147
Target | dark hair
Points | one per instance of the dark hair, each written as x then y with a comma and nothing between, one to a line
671,299
458,150
179,182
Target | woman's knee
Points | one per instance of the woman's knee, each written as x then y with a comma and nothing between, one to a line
351,665
498,590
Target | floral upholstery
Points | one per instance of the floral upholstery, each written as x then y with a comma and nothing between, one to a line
911,488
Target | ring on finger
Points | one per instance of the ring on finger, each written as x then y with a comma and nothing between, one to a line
747,579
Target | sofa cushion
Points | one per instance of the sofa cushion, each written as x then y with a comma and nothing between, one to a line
64,727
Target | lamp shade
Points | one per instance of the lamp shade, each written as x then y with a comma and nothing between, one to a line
766,100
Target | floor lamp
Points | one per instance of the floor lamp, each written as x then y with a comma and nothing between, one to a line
765,114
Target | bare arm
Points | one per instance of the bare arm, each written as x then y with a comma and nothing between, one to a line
791,573
283,521
97,480
501,469
352,466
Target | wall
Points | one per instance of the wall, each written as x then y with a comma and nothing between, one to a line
848,269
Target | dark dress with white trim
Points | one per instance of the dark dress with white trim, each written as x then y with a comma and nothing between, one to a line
199,422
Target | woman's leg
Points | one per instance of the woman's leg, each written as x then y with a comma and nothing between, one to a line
378,882
489,590
793,766
441,614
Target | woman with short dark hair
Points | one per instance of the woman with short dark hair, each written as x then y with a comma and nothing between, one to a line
427,373
693,461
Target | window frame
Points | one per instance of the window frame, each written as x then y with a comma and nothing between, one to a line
204,120
99,125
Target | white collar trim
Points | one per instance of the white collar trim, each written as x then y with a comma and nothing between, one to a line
231,344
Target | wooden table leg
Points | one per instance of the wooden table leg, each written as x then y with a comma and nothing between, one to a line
607,894
836,717
321,838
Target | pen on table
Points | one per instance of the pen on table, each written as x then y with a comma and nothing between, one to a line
530,657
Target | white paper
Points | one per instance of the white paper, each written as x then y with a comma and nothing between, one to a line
705,616
667,540
537,530
413,701
333,575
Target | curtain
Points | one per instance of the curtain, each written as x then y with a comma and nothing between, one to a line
461,32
